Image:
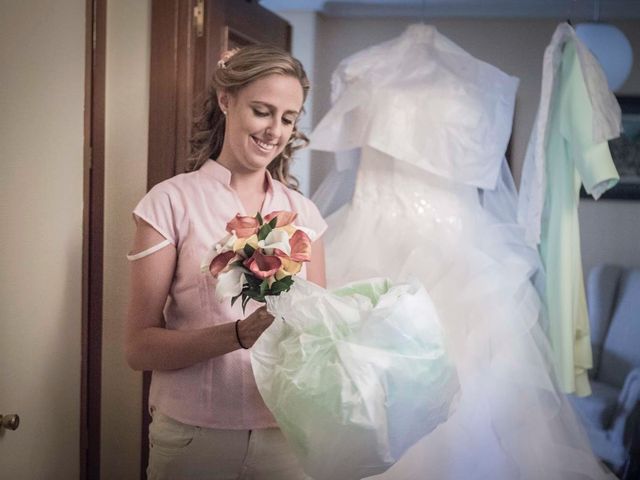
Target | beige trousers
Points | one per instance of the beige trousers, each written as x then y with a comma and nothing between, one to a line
183,452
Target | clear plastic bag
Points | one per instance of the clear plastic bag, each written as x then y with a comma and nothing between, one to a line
356,376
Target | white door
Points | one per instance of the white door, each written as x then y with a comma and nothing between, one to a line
42,54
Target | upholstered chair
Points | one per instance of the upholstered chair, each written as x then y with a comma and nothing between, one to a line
612,413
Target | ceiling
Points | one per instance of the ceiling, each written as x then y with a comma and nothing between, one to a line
572,9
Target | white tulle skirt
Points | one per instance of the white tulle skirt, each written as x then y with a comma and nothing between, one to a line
512,422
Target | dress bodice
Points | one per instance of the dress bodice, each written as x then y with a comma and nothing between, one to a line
405,191
422,99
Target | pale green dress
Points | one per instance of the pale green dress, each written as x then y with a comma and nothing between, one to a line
572,158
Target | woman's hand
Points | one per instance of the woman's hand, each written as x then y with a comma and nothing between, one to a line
252,327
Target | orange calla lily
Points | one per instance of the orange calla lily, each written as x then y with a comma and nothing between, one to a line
300,247
284,217
243,226
220,262
262,266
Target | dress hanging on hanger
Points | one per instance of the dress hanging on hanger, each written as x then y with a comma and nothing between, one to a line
568,148
434,199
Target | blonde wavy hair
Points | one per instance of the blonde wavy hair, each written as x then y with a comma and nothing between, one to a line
234,71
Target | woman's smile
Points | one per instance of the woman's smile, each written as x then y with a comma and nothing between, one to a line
264,146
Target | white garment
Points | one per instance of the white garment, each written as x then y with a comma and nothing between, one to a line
433,123
607,125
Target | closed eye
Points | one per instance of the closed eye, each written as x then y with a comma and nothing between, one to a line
260,113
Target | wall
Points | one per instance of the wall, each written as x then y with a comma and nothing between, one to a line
610,229
42,68
127,117
303,41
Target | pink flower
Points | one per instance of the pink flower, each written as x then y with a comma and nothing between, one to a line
300,247
220,262
284,218
226,56
243,226
262,266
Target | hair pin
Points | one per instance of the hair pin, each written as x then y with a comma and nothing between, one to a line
225,57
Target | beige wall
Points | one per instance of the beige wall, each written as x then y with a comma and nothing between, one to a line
127,112
610,229
303,41
41,153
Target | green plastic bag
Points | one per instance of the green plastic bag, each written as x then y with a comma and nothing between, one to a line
356,376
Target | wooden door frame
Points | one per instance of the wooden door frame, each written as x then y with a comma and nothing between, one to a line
173,44
176,80
92,237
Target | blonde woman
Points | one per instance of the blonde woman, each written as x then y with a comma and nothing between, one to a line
209,420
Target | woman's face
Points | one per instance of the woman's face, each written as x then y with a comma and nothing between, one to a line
260,120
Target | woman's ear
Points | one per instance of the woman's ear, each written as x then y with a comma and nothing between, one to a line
223,101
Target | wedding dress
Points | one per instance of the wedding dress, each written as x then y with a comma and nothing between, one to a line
434,199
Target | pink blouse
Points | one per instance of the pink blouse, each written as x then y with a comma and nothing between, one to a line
191,211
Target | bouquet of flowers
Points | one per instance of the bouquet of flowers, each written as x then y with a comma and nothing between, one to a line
259,256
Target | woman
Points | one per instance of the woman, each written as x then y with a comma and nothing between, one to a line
209,420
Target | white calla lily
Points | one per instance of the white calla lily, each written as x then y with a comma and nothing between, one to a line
229,284
226,243
223,245
276,239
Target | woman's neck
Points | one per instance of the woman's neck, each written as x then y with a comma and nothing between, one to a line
249,183
245,181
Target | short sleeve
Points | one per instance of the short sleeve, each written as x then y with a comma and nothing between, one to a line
592,159
315,220
159,209
308,214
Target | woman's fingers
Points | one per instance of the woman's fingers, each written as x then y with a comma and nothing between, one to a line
252,327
